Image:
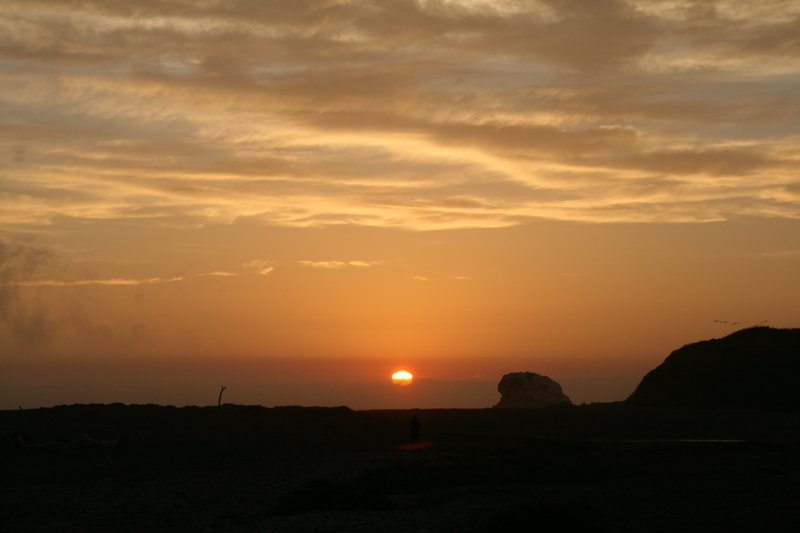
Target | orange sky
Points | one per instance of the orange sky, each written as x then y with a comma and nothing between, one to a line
297,198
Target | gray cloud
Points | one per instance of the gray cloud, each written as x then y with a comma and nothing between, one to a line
19,262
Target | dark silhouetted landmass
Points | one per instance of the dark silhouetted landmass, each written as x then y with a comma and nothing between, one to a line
599,467
622,466
755,368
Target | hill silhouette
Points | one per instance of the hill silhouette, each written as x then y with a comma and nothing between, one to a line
754,368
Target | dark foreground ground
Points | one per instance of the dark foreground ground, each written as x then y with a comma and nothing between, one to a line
236,468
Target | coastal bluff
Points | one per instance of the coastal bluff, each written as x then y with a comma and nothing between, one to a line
754,368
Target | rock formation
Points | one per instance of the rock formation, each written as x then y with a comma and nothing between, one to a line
526,389
755,368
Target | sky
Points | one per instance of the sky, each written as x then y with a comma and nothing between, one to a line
295,198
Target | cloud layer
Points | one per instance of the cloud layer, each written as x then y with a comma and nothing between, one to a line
412,114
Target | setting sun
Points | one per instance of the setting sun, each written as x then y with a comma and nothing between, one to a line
402,377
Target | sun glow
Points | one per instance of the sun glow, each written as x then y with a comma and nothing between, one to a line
402,377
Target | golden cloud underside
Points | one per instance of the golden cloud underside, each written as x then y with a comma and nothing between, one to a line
419,115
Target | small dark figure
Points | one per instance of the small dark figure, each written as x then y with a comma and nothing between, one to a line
413,429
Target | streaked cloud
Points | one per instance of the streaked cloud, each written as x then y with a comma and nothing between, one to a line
337,265
264,267
362,264
84,282
418,115
782,253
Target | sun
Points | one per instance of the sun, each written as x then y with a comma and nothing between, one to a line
402,377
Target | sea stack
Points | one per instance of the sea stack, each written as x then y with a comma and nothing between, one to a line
530,390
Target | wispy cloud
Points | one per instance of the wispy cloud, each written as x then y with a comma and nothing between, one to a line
218,274
84,282
337,265
362,264
782,253
264,267
313,114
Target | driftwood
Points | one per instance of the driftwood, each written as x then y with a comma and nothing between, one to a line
219,399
